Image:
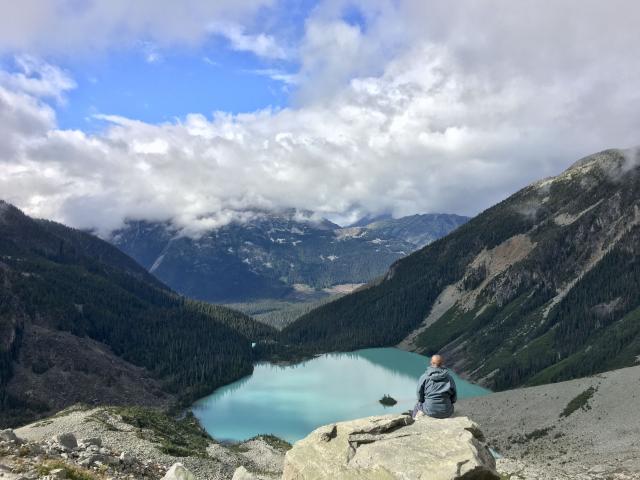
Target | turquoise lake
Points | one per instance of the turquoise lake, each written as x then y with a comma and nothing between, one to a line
291,401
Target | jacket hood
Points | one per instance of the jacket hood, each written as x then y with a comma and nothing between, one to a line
437,374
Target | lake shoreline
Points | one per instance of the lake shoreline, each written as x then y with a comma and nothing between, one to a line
288,399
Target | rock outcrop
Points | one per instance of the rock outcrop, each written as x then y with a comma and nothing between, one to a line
392,447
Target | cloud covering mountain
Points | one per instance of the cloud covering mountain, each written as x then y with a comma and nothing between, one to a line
398,106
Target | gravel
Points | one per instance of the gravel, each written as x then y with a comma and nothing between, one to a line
600,439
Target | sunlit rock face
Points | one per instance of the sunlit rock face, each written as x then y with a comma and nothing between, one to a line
392,447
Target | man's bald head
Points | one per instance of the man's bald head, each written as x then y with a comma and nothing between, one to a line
437,361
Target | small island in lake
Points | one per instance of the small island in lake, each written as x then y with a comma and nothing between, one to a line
388,401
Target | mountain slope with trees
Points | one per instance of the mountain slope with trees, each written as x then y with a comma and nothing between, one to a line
544,286
80,320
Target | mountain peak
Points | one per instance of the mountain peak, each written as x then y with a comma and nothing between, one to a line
612,161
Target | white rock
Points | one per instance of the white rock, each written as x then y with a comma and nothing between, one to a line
178,472
392,447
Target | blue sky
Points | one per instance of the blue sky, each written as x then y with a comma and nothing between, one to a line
342,107
179,83
156,84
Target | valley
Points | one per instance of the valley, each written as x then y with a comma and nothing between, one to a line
540,288
319,240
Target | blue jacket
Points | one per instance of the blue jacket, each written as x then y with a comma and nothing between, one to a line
437,392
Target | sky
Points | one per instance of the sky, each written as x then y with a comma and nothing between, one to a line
195,112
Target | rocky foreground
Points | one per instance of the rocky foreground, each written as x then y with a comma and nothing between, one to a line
129,443
107,443
586,429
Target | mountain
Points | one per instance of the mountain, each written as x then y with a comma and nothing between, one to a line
542,287
417,230
367,219
82,322
276,256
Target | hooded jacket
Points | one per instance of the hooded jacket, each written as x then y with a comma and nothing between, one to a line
437,392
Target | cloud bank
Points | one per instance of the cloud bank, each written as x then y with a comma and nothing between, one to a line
419,106
71,27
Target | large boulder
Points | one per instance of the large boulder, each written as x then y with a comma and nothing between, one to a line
392,447
66,441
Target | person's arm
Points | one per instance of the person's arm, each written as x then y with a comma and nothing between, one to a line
420,389
454,390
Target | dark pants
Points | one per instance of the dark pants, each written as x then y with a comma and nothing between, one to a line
421,408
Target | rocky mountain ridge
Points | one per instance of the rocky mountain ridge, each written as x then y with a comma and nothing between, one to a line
542,287
276,255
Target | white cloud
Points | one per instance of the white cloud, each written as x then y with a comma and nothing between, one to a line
277,75
422,109
260,44
37,78
72,27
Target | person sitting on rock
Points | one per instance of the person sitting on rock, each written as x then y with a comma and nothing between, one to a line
436,391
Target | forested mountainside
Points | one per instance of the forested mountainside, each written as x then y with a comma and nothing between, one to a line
276,256
542,287
82,322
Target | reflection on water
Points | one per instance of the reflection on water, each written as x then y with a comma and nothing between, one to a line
291,401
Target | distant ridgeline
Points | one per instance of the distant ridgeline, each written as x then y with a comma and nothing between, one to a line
78,319
275,256
542,287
